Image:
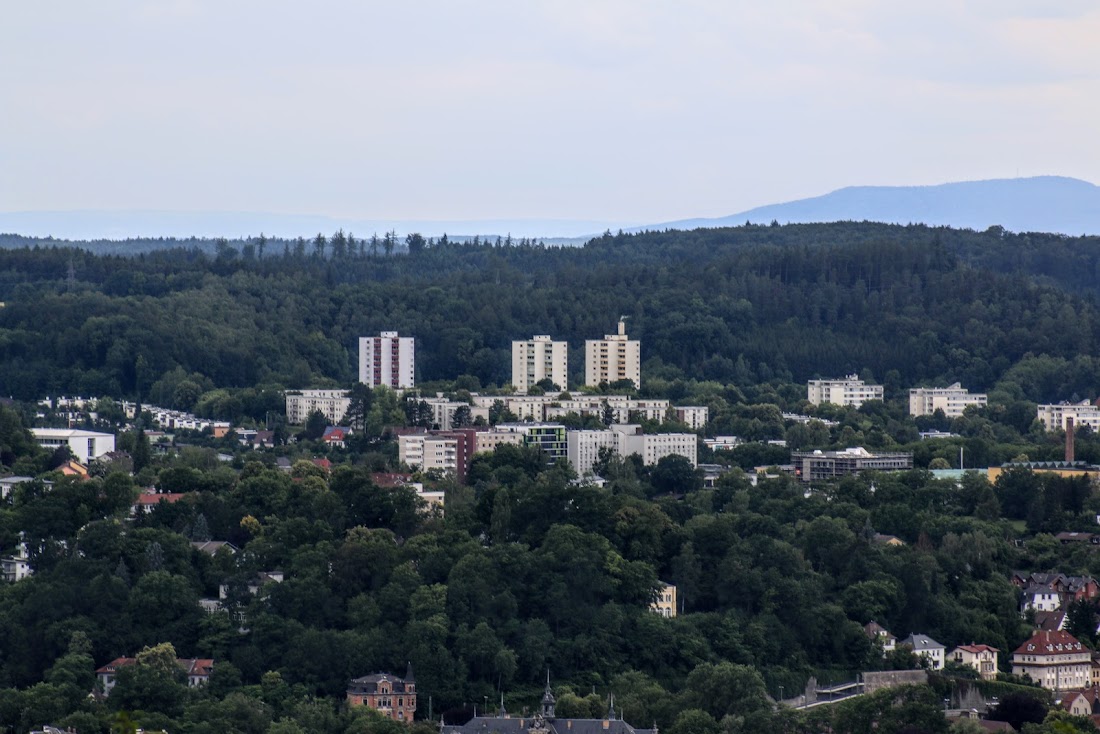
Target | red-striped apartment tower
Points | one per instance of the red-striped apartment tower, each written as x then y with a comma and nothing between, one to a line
387,359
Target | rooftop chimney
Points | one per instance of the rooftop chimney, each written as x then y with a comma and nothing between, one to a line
1069,440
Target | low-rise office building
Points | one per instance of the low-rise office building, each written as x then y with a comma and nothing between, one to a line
821,465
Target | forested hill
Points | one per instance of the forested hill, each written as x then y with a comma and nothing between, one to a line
738,305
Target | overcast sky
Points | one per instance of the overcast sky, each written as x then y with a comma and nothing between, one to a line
625,110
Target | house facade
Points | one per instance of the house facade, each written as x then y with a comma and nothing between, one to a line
925,647
665,602
385,693
981,658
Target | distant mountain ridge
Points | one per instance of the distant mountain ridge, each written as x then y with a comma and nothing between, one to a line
1055,204
1037,204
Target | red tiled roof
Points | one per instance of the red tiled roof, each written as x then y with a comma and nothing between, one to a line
115,664
1056,642
150,499
975,649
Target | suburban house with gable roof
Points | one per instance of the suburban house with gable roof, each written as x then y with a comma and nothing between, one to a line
981,658
927,648
880,635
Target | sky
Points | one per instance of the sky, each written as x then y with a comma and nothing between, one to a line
627,111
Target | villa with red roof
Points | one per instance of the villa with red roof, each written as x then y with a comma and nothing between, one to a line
1055,660
981,658
197,670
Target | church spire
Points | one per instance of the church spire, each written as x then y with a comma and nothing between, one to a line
548,700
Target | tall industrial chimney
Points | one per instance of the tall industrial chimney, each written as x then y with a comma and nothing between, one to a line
1069,440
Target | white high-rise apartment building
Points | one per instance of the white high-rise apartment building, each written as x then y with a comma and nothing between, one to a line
539,359
849,391
951,400
1053,417
613,358
387,359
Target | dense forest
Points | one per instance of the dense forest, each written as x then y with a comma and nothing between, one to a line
528,570
740,306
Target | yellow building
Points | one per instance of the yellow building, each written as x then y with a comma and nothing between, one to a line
1066,469
665,605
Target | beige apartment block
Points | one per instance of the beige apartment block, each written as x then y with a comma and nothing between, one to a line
538,359
1053,417
851,391
613,358
951,400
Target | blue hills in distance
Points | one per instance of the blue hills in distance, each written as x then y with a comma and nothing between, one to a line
1035,204
1055,204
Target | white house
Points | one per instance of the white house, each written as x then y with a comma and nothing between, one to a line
981,658
85,445
926,647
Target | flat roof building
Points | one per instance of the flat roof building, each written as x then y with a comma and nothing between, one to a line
822,465
85,445
333,404
1084,413
851,391
951,400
